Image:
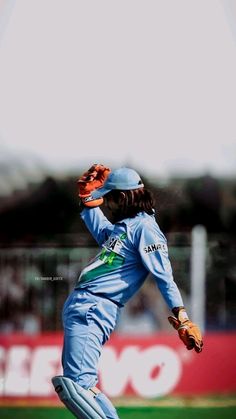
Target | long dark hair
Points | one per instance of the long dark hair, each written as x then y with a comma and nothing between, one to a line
131,202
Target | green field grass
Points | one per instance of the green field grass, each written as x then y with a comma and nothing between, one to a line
124,413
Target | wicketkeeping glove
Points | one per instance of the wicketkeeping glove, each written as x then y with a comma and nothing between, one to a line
93,179
188,332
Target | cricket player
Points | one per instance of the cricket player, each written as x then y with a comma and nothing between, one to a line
130,249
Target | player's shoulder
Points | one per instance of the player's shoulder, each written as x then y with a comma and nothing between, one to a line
142,222
147,225
140,219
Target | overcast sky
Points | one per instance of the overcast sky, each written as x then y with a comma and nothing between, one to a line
148,83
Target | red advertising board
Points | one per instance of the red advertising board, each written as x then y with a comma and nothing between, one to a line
145,367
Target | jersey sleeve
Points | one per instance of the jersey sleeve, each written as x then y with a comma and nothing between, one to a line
98,225
152,247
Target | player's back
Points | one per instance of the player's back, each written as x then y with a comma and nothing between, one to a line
119,270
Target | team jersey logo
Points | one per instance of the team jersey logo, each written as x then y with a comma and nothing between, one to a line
155,247
115,243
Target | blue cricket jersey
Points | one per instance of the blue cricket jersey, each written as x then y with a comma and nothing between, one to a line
130,250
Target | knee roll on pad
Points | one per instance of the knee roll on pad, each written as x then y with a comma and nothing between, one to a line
79,401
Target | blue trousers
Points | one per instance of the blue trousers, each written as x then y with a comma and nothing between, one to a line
88,321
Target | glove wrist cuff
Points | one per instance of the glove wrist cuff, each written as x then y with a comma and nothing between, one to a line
90,202
182,315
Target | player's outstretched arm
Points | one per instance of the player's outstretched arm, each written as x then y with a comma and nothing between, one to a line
189,332
98,225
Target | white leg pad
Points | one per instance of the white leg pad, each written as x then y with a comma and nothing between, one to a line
79,401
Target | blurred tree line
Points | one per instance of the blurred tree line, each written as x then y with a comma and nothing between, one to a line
48,212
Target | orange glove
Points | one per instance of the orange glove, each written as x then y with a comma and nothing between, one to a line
93,179
188,332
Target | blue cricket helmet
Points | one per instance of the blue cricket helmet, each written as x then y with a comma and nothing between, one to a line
120,179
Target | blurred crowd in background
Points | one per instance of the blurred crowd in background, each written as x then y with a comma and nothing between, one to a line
44,245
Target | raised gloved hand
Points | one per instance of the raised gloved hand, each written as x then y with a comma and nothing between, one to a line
93,179
188,332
